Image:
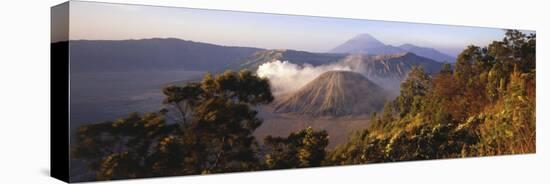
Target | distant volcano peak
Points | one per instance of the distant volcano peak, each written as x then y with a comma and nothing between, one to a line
367,39
366,44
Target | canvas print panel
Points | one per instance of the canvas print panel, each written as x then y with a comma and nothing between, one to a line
160,91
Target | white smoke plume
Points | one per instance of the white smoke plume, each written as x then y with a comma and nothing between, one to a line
285,76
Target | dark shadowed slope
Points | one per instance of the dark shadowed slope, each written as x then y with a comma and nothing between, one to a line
153,54
334,93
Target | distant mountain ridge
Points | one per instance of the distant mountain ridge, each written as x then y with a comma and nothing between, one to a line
153,54
428,52
385,70
367,44
253,61
178,54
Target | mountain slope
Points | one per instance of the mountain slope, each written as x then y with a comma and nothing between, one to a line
334,93
389,70
153,54
398,65
428,53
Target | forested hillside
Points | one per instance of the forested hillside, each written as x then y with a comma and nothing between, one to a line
484,106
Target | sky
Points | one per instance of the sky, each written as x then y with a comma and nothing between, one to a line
104,21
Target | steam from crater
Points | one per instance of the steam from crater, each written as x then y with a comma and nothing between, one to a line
286,77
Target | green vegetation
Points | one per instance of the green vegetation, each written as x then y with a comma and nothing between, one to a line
206,128
305,148
484,105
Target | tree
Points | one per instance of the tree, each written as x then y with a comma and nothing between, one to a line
446,69
513,129
463,66
412,90
486,106
515,49
362,147
223,132
495,79
305,148
120,149
182,99
211,132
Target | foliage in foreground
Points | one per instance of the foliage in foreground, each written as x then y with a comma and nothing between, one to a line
485,106
206,127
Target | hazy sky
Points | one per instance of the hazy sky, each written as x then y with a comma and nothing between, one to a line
102,21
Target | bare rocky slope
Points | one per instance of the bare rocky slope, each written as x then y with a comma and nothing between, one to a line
334,93
389,70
